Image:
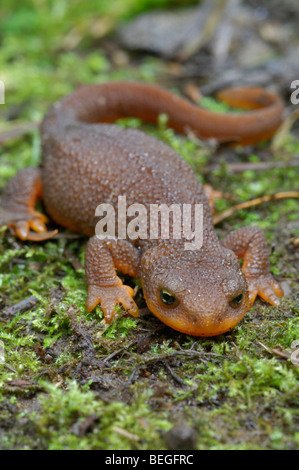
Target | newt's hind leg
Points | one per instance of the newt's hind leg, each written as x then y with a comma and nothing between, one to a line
17,206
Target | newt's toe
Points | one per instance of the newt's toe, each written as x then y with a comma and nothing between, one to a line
266,287
22,222
110,296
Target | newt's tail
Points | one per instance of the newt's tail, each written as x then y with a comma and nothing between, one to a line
110,101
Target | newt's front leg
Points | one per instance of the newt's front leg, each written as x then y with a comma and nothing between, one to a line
250,244
102,257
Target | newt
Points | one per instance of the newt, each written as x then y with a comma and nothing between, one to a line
88,160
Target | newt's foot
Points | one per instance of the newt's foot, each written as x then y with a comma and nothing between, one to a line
266,287
110,296
21,222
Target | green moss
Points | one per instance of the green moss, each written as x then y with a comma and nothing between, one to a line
62,413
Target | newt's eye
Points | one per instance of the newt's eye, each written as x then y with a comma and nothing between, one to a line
236,301
168,298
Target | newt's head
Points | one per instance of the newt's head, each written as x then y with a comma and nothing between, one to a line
200,293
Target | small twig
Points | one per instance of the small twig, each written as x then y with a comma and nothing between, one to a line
255,166
225,32
75,262
278,350
20,307
285,128
115,353
80,429
67,236
173,374
18,131
254,202
126,434
77,328
193,92
9,368
132,376
185,352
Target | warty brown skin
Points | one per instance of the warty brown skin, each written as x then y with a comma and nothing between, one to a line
86,163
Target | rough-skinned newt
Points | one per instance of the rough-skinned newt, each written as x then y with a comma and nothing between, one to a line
86,161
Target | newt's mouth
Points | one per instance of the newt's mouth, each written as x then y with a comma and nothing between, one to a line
200,330
201,324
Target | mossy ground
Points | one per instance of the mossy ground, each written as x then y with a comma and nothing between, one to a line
69,384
